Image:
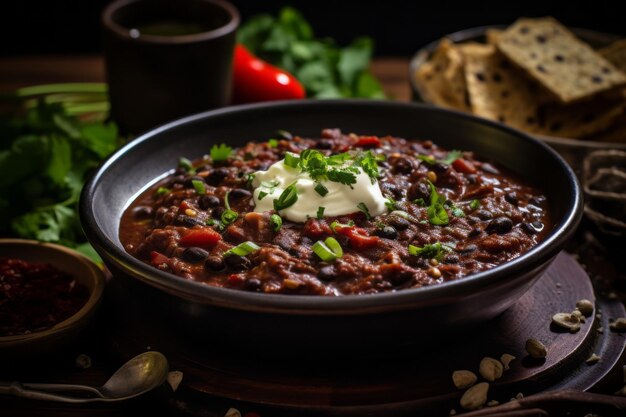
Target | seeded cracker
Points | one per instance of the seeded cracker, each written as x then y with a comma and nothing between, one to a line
441,80
552,55
615,54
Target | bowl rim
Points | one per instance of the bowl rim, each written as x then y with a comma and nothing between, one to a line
94,273
315,304
470,34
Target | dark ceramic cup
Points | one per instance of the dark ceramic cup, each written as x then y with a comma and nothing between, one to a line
166,59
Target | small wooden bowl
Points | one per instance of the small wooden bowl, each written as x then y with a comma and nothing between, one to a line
66,331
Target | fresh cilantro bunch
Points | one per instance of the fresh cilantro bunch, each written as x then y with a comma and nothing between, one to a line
51,137
325,69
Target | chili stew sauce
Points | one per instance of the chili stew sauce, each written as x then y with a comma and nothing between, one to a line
492,217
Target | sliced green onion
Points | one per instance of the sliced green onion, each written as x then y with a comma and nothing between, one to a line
199,186
291,160
328,250
270,184
451,157
243,249
475,204
429,159
262,195
287,198
186,164
401,213
276,221
162,191
391,204
321,189
228,216
336,224
361,206
320,212
272,143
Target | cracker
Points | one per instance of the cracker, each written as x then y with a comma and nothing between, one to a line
553,56
492,36
615,53
441,80
502,92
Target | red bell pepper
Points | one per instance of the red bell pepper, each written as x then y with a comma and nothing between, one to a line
200,237
464,166
158,259
358,237
256,80
368,142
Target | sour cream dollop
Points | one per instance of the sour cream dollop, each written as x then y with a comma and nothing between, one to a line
341,199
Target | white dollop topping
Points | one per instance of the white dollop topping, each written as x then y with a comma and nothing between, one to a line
340,199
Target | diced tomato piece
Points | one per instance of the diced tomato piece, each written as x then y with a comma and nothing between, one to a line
234,280
316,229
157,258
464,166
359,239
368,142
200,237
184,205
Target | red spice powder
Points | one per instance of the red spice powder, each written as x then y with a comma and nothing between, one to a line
35,297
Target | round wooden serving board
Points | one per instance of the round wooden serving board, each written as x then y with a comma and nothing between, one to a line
401,379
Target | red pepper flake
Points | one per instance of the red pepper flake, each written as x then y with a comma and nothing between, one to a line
368,142
35,297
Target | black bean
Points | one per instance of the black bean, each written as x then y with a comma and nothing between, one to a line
401,277
474,232
327,273
214,263
528,228
178,179
252,284
499,225
142,212
204,168
387,232
533,208
537,225
188,220
399,223
487,167
401,164
451,259
471,178
189,183
239,193
324,144
468,249
217,176
418,190
440,168
484,214
389,188
217,212
238,263
207,201
195,254
537,200
511,198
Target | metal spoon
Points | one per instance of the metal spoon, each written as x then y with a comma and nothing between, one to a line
137,376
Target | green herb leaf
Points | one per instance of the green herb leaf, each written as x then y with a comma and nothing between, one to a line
186,164
391,204
429,159
161,191
262,195
436,212
430,251
291,160
228,216
287,198
420,202
328,250
199,187
320,212
276,222
272,143
321,189
220,153
243,249
361,206
475,204
451,157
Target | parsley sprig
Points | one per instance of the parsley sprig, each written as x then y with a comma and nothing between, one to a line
436,211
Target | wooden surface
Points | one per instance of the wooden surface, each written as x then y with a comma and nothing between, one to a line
31,70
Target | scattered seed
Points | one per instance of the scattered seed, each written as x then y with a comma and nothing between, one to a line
291,283
191,213
174,378
432,177
433,262
493,403
506,360
567,321
83,361
585,307
232,412
475,397
619,325
434,272
490,369
592,359
536,349
464,379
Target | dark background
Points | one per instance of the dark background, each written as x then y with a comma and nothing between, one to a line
398,27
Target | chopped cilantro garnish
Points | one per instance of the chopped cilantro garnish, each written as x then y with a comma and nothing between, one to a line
287,198
272,143
435,250
361,206
429,159
220,153
321,189
420,202
228,216
475,204
186,164
455,210
262,195
162,191
391,204
199,187
451,157
436,212
320,212
276,221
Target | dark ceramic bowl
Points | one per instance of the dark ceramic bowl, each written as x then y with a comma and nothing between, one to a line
217,314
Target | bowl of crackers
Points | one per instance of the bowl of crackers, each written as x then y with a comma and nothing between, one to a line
566,86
